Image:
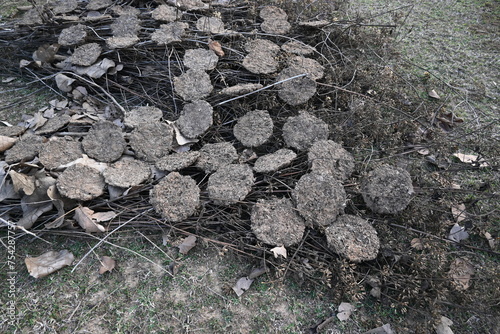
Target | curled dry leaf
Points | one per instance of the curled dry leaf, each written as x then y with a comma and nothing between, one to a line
216,47
107,264
345,310
64,83
6,143
458,212
417,244
242,285
48,263
491,241
83,216
458,233
187,244
279,251
23,182
461,272
55,197
384,329
443,327
471,159
434,95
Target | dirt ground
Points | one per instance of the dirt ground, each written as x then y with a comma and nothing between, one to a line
447,46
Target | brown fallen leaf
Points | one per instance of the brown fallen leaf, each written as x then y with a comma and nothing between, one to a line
277,251
23,182
384,329
345,310
55,197
471,159
107,264
83,216
458,212
6,143
242,285
443,326
434,95
461,271
416,243
491,241
187,244
48,263
216,47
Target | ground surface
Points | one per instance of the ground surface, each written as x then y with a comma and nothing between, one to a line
443,44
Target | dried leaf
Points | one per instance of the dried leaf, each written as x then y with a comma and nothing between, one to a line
461,272
216,47
103,216
385,329
83,216
242,285
443,327
6,143
345,310
107,264
38,203
187,244
23,182
181,140
48,263
279,251
434,95
46,53
471,159
257,272
64,82
458,233
7,191
417,244
458,212
54,196
37,121
491,241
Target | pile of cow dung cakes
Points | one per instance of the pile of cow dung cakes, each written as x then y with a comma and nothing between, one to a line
195,108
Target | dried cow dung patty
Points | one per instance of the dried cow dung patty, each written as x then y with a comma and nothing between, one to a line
298,90
276,222
166,13
140,115
60,152
214,156
353,238
86,54
387,189
127,173
254,128
230,184
73,35
176,197
193,85
274,161
319,198
81,182
25,149
169,33
195,119
327,156
212,25
104,142
200,59
151,141
177,161
302,131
